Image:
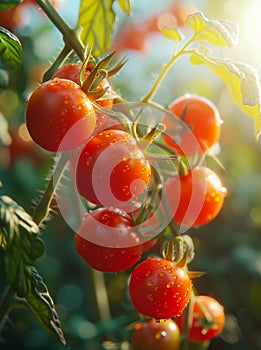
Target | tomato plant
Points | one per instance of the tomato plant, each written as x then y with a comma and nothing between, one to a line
195,198
128,183
159,288
151,335
203,122
108,241
59,116
116,182
208,319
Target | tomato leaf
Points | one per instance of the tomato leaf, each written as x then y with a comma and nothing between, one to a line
217,32
10,49
96,19
6,4
242,82
125,6
172,33
42,306
22,242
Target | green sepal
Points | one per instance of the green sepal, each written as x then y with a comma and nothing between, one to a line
172,34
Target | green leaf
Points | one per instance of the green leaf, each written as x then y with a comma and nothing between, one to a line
23,244
172,33
125,6
96,19
217,32
6,4
10,49
242,82
42,306
3,238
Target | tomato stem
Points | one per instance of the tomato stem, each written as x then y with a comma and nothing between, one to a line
57,62
70,36
42,209
166,68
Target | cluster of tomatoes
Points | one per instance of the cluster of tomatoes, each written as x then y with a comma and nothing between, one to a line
71,113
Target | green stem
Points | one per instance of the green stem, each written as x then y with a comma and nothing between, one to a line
42,209
166,68
69,35
5,305
57,62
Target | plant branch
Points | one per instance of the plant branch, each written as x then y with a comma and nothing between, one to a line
69,35
5,305
166,68
42,209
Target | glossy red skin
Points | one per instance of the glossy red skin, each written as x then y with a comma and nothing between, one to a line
107,240
56,109
159,288
203,120
208,319
151,335
111,169
71,71
196,198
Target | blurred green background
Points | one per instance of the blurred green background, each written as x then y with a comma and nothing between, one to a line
228,248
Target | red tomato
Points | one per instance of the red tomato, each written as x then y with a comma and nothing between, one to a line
203,123
151,335
159,288
71,71
208,319
59,116
111,169
107,240
196,198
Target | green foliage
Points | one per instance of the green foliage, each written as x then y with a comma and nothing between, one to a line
6,4
217,32
42,306
96,20
10,49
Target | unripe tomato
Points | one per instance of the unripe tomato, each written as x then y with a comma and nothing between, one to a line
59,116
159,288
196,198
208,319
151,335
107,240
203,123
111,169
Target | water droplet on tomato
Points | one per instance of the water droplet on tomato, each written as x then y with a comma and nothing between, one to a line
149,297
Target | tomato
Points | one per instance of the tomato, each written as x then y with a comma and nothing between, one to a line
107,240
59,116
196,198
208,319
111,169
203,123
151,335
159,288
71,71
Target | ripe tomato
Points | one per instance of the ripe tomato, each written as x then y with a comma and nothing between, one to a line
203,120
151,335
159,288
107,240
59,116
111,169
71,71
208,319
196,198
